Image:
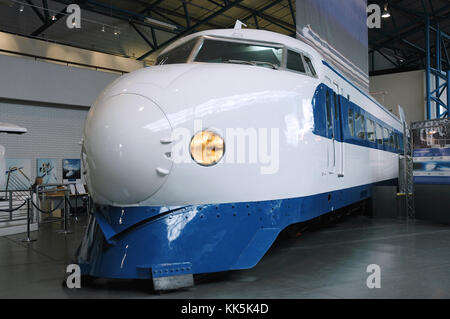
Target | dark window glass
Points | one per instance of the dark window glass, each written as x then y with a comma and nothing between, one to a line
310,66
350,122
379,134
295,62
218,51
391,139
336,113
329,115
399,141
180,54
360,126
395,140
385,136
370,130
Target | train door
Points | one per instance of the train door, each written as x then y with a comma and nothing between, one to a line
330,125
334,132
339,134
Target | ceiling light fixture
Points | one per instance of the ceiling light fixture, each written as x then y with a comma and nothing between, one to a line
53,17
103,29
21,8
386,13
160,24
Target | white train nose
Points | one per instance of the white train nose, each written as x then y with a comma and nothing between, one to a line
126,154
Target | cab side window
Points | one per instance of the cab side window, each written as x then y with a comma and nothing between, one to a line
295,62
309,66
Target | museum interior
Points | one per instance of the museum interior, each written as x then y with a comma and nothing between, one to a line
184,149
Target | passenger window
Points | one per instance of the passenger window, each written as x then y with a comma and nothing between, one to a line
336,113
395,140
350,122
360,126
370,131
295,62
309,66
329,118
379,134
391,139
385,136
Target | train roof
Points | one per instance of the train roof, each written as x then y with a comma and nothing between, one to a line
276,38
251,35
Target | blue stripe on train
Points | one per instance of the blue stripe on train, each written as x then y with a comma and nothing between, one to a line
154,241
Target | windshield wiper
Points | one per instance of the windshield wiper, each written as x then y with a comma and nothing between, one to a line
254,63
272,65
240,62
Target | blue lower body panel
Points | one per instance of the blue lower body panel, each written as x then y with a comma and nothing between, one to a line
151,242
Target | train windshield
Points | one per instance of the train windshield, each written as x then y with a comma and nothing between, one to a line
180,54
222,51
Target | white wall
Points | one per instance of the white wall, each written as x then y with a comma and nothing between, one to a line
31,80
52,102
43,49
406,89
53,132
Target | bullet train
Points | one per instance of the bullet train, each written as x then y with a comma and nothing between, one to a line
196,164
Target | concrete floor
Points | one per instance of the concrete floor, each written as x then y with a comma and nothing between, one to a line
329,262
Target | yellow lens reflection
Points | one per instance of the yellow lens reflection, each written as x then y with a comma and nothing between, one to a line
207,148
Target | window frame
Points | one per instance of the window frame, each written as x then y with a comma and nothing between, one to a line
374,130
363,126
200,40
352,128
301,58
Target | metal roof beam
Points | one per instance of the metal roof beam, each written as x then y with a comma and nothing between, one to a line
186,13
45,5
142,35
49,23
36,11
230,5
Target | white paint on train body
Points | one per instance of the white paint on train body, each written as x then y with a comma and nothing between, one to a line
123,151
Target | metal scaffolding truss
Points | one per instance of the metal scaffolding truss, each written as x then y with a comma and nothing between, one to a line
437,107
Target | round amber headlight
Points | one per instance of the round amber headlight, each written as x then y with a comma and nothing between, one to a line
207,148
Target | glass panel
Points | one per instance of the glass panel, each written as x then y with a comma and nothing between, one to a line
220,51
295,62
391,139
329,118
371,131
309,66
360,126
336,113
379,134
350,122
385,136
179,54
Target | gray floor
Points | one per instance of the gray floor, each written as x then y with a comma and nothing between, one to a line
326,263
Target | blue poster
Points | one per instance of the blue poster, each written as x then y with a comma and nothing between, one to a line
46,168
71,169
431,166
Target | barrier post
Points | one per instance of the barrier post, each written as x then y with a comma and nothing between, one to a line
28,239
65,231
